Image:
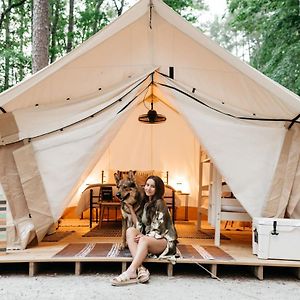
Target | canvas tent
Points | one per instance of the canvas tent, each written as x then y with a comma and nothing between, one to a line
56,125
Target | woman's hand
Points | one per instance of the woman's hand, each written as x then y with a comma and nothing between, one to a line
137,238
130,207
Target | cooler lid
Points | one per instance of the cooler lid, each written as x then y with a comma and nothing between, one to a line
280,222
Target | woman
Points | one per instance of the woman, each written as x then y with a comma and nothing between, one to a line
154,234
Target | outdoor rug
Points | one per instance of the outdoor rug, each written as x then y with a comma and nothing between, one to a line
57,236
108,229
114,250
184,230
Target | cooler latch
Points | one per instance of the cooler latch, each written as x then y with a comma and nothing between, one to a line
255,236
274,232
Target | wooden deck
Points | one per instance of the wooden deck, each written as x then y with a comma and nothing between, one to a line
238,247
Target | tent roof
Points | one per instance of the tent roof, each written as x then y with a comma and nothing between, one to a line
128,46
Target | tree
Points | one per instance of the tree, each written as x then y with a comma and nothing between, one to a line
40,35
36,32
6,10
70,34
14,39
119,8
274,30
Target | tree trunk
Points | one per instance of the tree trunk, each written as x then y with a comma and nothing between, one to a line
21,47
55,16
119,9
97,10
7,56
40,35
70,26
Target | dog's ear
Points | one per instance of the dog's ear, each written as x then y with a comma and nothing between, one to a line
131,175
118,177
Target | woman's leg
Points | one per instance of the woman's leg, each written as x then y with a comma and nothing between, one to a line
131,233
145,245
139,250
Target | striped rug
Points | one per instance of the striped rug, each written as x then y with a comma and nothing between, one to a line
114,250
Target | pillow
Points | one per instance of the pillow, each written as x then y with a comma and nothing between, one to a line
141,176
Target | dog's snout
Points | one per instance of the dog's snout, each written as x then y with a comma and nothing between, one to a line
118,194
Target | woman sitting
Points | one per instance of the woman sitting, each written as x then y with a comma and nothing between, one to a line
154,234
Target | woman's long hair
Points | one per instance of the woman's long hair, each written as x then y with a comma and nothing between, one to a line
159,193
159,187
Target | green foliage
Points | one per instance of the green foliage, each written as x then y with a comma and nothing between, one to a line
90,16
274,28
14,59
187,8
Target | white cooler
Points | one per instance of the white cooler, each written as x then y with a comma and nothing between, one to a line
274,238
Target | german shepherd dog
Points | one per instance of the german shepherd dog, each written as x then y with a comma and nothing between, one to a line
131,193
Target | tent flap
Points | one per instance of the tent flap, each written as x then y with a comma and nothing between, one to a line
20,229
34,191
8,128
284,189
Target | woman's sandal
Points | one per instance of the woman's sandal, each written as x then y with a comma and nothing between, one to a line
123,279
143,274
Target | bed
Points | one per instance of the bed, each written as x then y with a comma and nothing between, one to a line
84,202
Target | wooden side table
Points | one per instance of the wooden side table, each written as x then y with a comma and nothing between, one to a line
186,205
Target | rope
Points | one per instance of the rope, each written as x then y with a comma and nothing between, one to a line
227,114
293,121
210,273
97,112
146,88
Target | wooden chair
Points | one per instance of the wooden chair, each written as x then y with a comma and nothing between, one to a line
94,203
170,200
107,201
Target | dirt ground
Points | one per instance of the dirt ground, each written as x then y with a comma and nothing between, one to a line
188,282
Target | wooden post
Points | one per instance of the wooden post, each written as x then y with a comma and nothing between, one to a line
216,206
91,208
77,268
124,266
33,268
259,272
200,191
213,270
170,270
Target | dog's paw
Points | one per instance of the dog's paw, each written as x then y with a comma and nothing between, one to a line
123,246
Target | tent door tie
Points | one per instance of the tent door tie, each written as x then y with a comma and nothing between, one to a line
150,14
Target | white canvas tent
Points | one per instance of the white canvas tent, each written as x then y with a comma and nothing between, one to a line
62,120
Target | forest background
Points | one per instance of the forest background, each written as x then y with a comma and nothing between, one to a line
35,33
